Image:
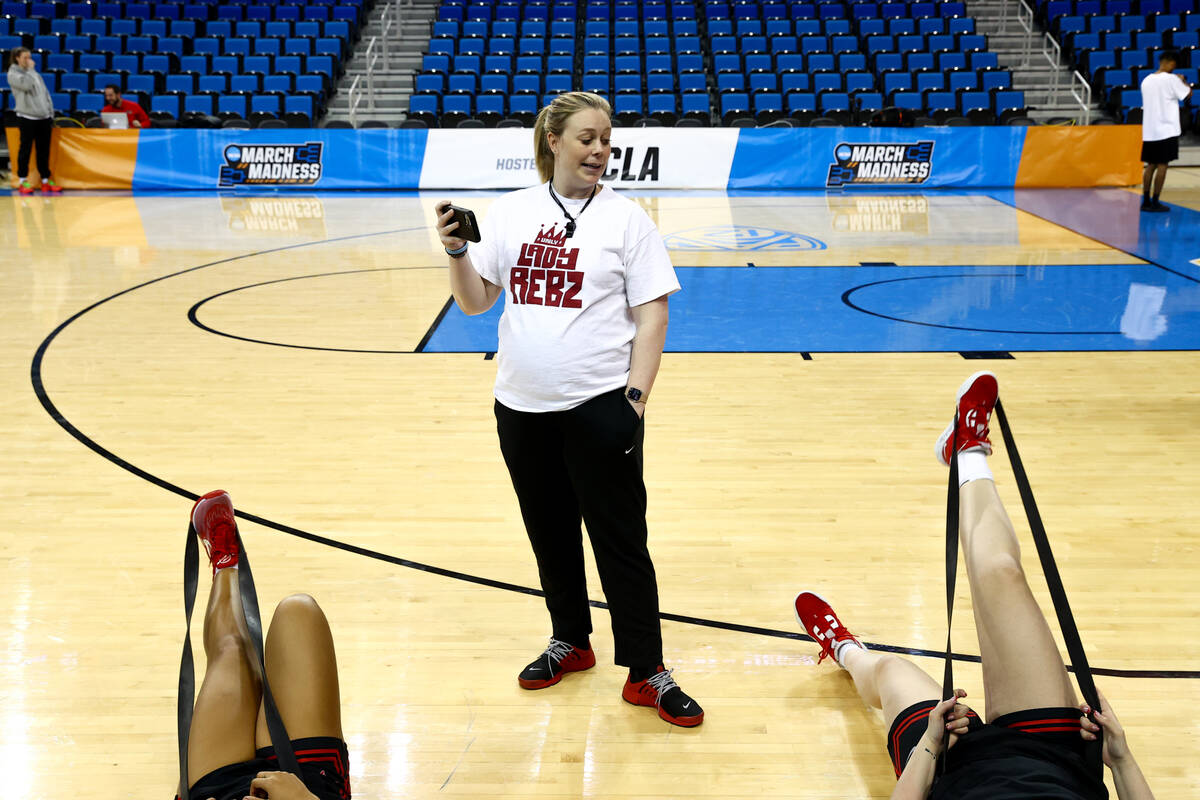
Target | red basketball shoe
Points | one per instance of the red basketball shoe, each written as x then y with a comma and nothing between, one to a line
25,188
661,691
821,622
975,401
555,661
213,519
50,186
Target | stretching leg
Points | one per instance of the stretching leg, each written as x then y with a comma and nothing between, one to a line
1022,667
222,730
302,671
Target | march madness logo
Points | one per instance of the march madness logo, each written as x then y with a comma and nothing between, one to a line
880,163
545,273
271,164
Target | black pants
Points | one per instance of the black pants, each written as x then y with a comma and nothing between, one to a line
587,463
34,131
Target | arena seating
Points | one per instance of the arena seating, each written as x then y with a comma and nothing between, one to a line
1116,43
675,62
188,61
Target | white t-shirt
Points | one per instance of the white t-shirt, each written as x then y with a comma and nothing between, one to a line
566,334
1161,93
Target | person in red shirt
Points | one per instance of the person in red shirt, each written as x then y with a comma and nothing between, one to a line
113,102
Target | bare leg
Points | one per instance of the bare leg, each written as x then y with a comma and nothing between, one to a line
1022,667
222,730
1160,178
887,681
302,671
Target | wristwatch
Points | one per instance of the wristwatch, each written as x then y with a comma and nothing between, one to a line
634,395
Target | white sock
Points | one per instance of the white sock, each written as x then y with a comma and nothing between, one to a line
840,648
973,466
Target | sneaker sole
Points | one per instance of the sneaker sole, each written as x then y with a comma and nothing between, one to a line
682,722
949,431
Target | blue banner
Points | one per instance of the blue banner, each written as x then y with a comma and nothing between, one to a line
280,159
835,158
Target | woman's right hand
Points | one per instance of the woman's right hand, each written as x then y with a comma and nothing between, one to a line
446,225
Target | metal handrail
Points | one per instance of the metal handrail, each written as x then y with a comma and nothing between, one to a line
1025,20
1083,96
371,58
354,97
386,34
1052,52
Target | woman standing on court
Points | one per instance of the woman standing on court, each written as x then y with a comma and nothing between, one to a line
35,118
587,278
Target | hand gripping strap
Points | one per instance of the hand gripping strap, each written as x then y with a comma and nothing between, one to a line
187,673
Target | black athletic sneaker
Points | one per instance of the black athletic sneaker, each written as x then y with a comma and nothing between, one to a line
558,659
1147,204
661,691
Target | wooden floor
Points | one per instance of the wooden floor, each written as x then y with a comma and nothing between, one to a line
767,474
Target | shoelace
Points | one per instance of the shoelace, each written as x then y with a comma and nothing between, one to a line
556,651
662,682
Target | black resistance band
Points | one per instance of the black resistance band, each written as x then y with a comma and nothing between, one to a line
1062,608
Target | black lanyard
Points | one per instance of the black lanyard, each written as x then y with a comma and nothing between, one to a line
571,220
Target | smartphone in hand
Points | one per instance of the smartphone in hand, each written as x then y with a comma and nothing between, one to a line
467,228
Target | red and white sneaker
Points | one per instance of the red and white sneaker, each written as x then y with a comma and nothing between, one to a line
821,622
25,188
216,526
974,403
50,186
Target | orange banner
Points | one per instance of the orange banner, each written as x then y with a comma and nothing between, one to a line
1089,155
84,158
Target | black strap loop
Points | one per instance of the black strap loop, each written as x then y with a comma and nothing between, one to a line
1058,594
187,672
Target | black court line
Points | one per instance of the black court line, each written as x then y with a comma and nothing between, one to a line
434,326
194,317
51,409
846,299
986,355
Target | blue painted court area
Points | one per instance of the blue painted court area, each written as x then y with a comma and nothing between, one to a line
909,309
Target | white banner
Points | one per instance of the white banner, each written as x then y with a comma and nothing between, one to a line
655,158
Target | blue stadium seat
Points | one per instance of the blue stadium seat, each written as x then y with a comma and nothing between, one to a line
165,103
801,101
199,103
300,104
235,104
266,103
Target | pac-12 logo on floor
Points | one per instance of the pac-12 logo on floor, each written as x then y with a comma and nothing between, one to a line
271,165
910,162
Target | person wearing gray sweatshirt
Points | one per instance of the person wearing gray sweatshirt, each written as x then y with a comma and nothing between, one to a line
35,118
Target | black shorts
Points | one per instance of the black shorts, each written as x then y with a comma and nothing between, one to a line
908,728
324,764
1161,152
1033,753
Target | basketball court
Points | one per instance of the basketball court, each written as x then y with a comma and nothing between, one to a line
300,350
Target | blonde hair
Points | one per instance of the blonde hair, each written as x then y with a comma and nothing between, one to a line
553,119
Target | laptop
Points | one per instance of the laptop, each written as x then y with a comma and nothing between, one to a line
117,120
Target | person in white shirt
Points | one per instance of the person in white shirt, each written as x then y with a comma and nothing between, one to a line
586,277
1162,91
